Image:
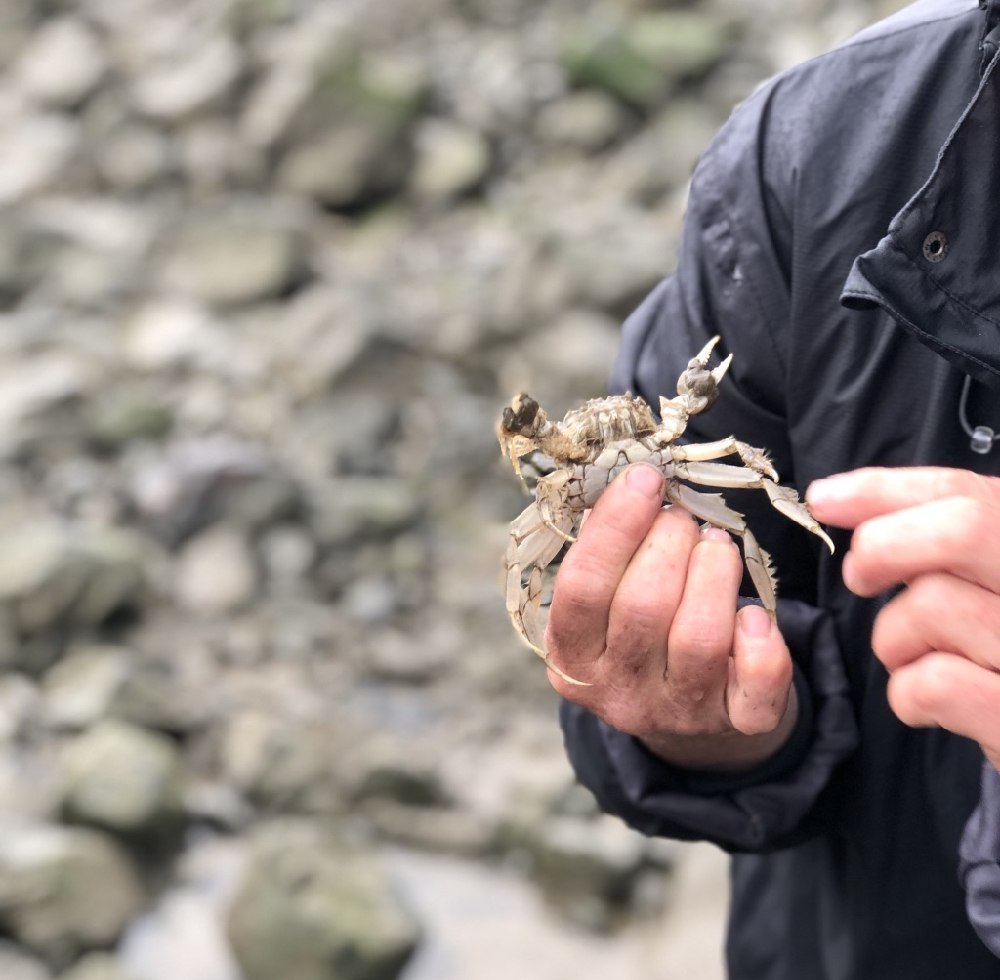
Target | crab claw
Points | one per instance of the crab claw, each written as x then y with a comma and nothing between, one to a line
518,428
699,386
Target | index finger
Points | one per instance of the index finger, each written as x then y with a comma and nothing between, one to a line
849,499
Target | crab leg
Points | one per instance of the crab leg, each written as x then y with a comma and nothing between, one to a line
784,499
756,459
712,508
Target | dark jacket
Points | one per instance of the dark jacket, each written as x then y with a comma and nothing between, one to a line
876,166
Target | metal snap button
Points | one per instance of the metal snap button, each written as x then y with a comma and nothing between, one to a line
935,246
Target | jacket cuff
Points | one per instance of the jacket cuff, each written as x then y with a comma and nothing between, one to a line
762,809
979,861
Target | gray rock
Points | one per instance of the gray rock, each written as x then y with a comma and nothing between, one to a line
64,890
350,141
19,702
451,160
17,964
190,81
315,908
124,779
82,687
217,571
96,966
62,65
237,252
134,156
54,574
365,507
276,763
586,120
35,152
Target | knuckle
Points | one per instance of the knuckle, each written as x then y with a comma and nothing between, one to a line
699,635
919,693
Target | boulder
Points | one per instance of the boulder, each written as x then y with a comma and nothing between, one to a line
64,890
317,908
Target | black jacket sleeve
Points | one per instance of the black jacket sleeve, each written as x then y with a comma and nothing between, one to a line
731,280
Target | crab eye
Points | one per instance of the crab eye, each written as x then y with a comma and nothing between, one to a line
522,414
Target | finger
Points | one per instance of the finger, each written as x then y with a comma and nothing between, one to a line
847,499
595,564
701,634
960,535
939,612
757,695
950,692
647,598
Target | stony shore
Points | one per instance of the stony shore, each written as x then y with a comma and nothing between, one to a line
269,269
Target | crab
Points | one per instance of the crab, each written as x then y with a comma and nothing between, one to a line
592,445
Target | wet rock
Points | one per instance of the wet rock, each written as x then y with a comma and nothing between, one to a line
64,890
236,253
124,779
316,908
217,571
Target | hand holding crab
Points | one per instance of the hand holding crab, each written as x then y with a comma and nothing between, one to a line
937,532
642,628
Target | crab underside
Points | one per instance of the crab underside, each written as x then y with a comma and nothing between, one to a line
592,445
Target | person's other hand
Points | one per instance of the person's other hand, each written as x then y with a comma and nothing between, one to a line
644,613
936,532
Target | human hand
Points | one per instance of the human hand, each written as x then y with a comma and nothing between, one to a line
644,612
937,532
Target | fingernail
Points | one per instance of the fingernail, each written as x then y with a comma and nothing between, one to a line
830,489
645,480
755,622
715,534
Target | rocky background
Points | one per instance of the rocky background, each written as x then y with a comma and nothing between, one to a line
269,269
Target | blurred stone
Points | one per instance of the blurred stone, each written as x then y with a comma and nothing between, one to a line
63,64
96,966
35,151
451,160
124,779
53,573
64,890
190,81
194,482
217,571
133,156
371,507
81,688
239,252
588,868
18,708
350,141
16,964
640,59
278,765
585,120
315,908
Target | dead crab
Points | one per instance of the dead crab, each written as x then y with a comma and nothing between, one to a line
592,444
